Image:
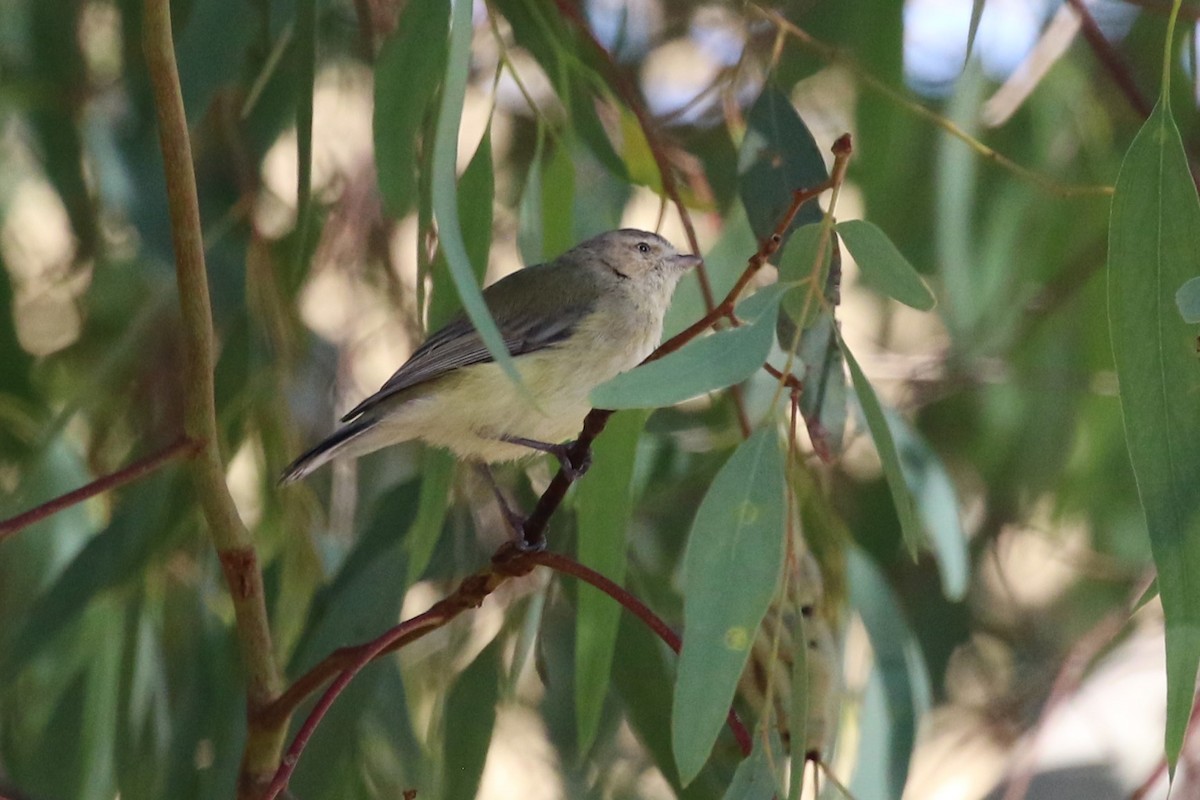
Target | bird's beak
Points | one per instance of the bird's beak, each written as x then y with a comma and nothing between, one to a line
685,262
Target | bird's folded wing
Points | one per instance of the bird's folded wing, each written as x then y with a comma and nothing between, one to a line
459,345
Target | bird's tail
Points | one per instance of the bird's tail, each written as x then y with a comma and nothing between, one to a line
354,439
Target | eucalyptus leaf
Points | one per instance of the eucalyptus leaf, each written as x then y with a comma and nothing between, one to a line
1153,249
604,506
885,444
884,266
901,668
777,157
445,189
730,574
408,71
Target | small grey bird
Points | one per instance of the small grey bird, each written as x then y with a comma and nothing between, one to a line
570,324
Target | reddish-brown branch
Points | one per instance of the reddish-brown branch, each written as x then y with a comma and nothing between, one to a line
182,448
508,562
1110,59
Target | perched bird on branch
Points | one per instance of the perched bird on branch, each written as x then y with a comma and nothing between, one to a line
570,324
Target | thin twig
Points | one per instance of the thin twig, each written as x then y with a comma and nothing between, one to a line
234,544
181,448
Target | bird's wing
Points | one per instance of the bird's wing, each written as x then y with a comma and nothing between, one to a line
459,345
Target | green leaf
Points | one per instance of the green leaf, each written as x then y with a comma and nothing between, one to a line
703,365
936,502
476,190
1154,248
547,206
777,157
802,305
881,434
119,554
730,572
437,475
445,189
1187,299
470,719
884,266
603,505
901,669
407,74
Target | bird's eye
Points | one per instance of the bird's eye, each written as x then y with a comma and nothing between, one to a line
643,247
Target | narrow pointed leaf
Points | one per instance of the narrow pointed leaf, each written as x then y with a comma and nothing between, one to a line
470,719
884,266
777,157
936,502
731,569
1153,249
881,434
900,667
445,188
704,365
604,505
407,73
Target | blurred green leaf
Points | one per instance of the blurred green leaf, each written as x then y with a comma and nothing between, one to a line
884,266
476,189
138,532
936,502
445,189
437,476
547,206
901,669
702,365
803,303
1188,301
407,74
731,569
470,720
881,435
1153,247
777,157
603,505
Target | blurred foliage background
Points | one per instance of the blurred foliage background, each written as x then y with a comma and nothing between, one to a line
119,672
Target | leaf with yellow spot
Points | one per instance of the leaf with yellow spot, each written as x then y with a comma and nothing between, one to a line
731,568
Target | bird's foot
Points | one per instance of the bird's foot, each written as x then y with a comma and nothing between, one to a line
563,452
